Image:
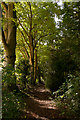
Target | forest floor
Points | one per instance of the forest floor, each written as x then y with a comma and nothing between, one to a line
40,106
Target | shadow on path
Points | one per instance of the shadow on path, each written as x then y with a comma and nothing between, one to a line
39,106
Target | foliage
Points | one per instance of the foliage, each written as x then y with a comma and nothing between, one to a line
58,54
9,100
43,52
69,98
59,65
12,102
70,28
11,105
23,73
36,25
64,61
8,75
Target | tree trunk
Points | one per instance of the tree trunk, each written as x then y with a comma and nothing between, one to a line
31,45
9,35
9,39
32,61
10,51
35,67
39,75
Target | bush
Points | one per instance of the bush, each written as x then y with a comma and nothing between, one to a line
70,99
60,63
10,105
9,78
23,73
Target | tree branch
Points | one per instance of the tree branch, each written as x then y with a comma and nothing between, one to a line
30,17
25,49
22,53
3,38
23,37
26,52
5,6
39,39
23,28
35,34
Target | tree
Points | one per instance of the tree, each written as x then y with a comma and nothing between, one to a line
63,49
9,43
71,33
9,32
35,24
70,28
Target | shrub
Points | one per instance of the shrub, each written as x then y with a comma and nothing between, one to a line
70,99
23,73
10,105
60,63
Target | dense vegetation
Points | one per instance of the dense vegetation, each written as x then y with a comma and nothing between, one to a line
37,49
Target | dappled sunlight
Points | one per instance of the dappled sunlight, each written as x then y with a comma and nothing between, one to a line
49,104
39,105
36,116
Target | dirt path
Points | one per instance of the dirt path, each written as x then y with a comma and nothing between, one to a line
39,106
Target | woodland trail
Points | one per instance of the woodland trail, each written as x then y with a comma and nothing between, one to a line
39,106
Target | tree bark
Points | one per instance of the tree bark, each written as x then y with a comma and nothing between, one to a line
35,66
31,45
9,34
32,61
